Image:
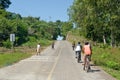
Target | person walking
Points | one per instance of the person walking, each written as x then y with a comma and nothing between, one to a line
38,49
78,51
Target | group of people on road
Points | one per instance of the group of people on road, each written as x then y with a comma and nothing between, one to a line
85,49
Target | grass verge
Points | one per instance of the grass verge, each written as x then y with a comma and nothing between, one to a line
26,50
114,73
11,58
108,58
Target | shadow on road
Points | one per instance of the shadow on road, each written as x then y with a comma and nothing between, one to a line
94,70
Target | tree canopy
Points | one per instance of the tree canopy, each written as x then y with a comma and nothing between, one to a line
29,28
4,4
99,20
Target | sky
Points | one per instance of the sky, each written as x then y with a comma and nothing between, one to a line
48,10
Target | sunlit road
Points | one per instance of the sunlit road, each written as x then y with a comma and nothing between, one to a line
57,64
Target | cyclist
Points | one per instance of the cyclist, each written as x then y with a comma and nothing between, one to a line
78,51
53,45
87,52
73,45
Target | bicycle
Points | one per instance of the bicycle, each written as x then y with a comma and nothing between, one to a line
87,63
78,54
53,45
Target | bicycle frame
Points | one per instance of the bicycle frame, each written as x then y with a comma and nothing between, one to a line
78,56
87,63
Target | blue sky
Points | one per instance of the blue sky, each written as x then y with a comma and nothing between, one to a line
48,10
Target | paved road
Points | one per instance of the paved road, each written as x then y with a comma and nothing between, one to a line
57,64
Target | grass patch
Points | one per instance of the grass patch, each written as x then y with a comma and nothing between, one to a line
26,50
10,58
109,59
114,73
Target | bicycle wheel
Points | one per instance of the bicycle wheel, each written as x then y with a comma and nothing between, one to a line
78,57
87,65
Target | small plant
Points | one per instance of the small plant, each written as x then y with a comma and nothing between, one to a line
7,44
112,64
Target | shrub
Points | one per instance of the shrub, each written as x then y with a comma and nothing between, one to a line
44,42
32,39
7,44
113,65
108,57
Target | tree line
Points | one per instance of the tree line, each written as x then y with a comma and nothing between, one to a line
28,28
98,20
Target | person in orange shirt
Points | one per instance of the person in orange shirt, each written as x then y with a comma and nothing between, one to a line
87,50
73,45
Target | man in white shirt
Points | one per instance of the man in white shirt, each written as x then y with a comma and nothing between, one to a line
38,49
78,52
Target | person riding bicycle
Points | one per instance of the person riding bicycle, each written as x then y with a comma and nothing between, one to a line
87,51
73,45
53,43
78,51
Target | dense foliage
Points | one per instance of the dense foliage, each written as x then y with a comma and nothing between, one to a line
4,4
98,20
28,29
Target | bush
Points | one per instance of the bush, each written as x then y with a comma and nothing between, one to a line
32,39
113,65
7,44
44,42
108,57
33,43
104,46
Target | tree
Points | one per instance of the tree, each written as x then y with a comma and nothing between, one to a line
99,20
4,4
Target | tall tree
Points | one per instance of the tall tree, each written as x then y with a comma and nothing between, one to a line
99,20
4,4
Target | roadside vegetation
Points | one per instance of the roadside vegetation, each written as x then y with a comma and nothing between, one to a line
11,58
108,58
99,23
29,31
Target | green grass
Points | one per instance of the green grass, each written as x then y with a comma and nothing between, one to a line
7,59
109,59
114,73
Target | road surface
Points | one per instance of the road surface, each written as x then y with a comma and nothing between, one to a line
53,64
